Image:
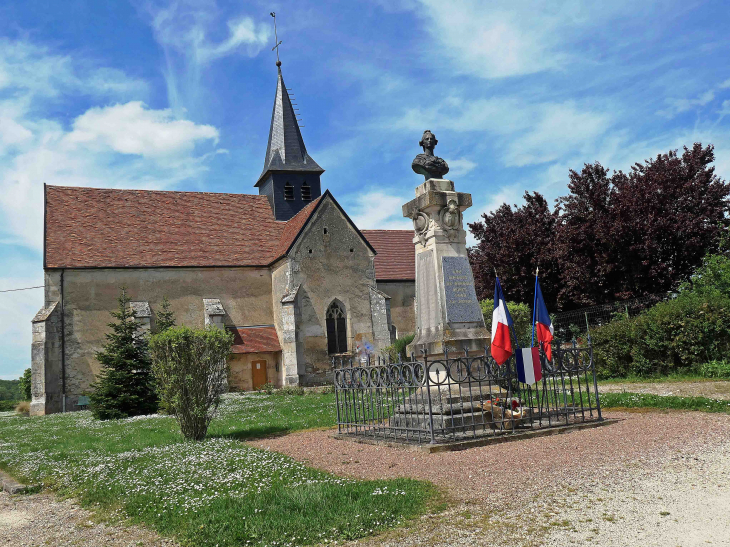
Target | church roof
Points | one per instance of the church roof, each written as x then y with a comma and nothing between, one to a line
286,150
396,258
106,228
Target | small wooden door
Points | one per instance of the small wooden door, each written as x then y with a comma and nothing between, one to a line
258,369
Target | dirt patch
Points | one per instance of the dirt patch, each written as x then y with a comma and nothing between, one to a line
719,389
40,519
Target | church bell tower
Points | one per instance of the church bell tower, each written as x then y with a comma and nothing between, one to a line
290,178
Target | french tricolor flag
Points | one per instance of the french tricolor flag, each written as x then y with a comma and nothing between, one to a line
501,346
529,370
542,322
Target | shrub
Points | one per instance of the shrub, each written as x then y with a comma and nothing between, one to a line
673,336
191,368
521,316
397,351
25,384
165,317
125,386
23,407
714,369
267,388
7,406
290,390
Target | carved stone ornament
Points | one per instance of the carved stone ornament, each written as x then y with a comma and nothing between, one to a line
426,164
421,223
450,218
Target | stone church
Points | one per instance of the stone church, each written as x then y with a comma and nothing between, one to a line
286,271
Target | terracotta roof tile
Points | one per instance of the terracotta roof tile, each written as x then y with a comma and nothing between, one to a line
396,258
254,339
104,228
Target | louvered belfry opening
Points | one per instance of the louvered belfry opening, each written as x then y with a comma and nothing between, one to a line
336,328
288,191
306,192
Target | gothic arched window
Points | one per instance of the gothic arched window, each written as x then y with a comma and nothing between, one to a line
306,192
288,191
336,328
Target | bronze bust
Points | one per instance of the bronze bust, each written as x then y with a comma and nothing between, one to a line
426,164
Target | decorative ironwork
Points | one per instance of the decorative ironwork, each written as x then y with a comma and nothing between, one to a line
460,397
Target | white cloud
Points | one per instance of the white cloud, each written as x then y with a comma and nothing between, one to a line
498,39
183,29
559,129
528,133
133,129
460,166
376,209
34,70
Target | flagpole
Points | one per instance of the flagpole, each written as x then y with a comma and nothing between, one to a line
534,308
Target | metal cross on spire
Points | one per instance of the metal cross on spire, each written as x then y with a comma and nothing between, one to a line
276,40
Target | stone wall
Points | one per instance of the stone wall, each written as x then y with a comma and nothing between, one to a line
330,261
241,379
91,294
46,383
402,298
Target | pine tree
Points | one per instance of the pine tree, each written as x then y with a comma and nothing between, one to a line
125,386
165,317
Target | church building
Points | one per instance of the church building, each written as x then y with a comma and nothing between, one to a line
286,271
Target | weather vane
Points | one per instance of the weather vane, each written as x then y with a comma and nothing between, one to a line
276,40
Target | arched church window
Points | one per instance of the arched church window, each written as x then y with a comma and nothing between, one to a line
306,192
288,191
336,328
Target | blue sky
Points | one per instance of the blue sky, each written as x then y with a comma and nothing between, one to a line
178,95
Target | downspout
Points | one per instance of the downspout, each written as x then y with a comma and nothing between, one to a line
63,348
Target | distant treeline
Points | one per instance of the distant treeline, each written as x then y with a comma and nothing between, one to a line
10,390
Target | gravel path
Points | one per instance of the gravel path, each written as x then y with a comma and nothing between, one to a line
41,519
713,389
529,492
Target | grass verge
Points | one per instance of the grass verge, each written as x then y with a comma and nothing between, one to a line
216,492
646,400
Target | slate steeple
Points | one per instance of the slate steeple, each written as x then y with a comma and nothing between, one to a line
290,177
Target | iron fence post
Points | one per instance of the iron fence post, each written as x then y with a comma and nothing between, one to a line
595,385
337,397
428,392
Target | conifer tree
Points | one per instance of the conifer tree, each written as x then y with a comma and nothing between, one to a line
165,317
125,386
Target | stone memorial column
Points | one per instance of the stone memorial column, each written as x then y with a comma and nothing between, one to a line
448,312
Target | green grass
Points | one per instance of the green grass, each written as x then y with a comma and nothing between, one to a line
646,400
675,377
216,492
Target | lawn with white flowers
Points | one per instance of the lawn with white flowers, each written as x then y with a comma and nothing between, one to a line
216,492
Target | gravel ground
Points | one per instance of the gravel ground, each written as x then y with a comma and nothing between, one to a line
41,519
713,389
529,492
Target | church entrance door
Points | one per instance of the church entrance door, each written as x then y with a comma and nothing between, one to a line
258,369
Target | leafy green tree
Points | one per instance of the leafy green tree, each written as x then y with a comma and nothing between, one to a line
25,385
191,368
165,317
713,276
125,386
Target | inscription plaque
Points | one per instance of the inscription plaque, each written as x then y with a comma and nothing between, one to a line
462,305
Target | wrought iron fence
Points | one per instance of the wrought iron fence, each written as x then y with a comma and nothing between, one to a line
461,397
